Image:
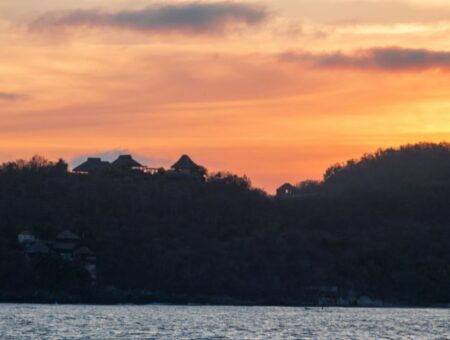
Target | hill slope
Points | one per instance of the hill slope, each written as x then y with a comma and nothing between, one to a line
379,226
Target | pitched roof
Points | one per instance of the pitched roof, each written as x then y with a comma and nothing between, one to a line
67,235
126,161
185,163
92,164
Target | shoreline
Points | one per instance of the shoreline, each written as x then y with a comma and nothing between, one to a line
439,307
133,299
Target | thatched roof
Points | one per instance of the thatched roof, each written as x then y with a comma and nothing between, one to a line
67,235
185,163
92,164
126,161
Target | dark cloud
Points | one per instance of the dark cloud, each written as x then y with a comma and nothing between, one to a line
186,18
389,59
11,96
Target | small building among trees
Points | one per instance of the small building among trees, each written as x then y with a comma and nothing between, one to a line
26,237
66,244
287,190
302,189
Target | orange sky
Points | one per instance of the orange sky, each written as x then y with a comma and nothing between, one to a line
276,89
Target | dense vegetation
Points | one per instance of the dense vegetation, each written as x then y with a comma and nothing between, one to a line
379,226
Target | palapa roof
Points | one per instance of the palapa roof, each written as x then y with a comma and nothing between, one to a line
126,161
67,235
185,163
92,164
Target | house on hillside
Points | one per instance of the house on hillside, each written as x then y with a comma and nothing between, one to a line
26,237
287,191
31,245
93,164
66,244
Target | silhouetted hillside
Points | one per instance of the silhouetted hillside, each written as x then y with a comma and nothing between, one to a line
410,164
379,227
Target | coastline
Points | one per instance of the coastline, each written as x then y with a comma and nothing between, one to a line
109,297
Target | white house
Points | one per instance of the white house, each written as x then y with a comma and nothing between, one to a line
26,237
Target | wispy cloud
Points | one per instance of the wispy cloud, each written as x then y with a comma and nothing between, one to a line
388,59
184,18
369,11
8,96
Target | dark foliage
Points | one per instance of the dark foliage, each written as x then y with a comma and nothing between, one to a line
379,226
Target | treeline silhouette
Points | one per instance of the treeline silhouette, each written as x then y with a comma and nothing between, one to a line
378,226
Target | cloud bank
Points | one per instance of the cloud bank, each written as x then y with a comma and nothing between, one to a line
388,59
184,18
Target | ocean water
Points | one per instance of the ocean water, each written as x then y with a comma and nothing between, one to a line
211,322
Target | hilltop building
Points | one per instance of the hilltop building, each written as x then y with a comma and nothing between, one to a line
287,190
92,165
184,166
126,162
123,162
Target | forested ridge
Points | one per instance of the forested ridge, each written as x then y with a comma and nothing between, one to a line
378,226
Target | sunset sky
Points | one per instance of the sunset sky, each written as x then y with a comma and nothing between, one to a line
276,89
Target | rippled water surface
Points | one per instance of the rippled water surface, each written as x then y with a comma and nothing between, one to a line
209,322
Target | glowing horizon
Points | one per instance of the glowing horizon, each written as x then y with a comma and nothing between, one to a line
276,90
